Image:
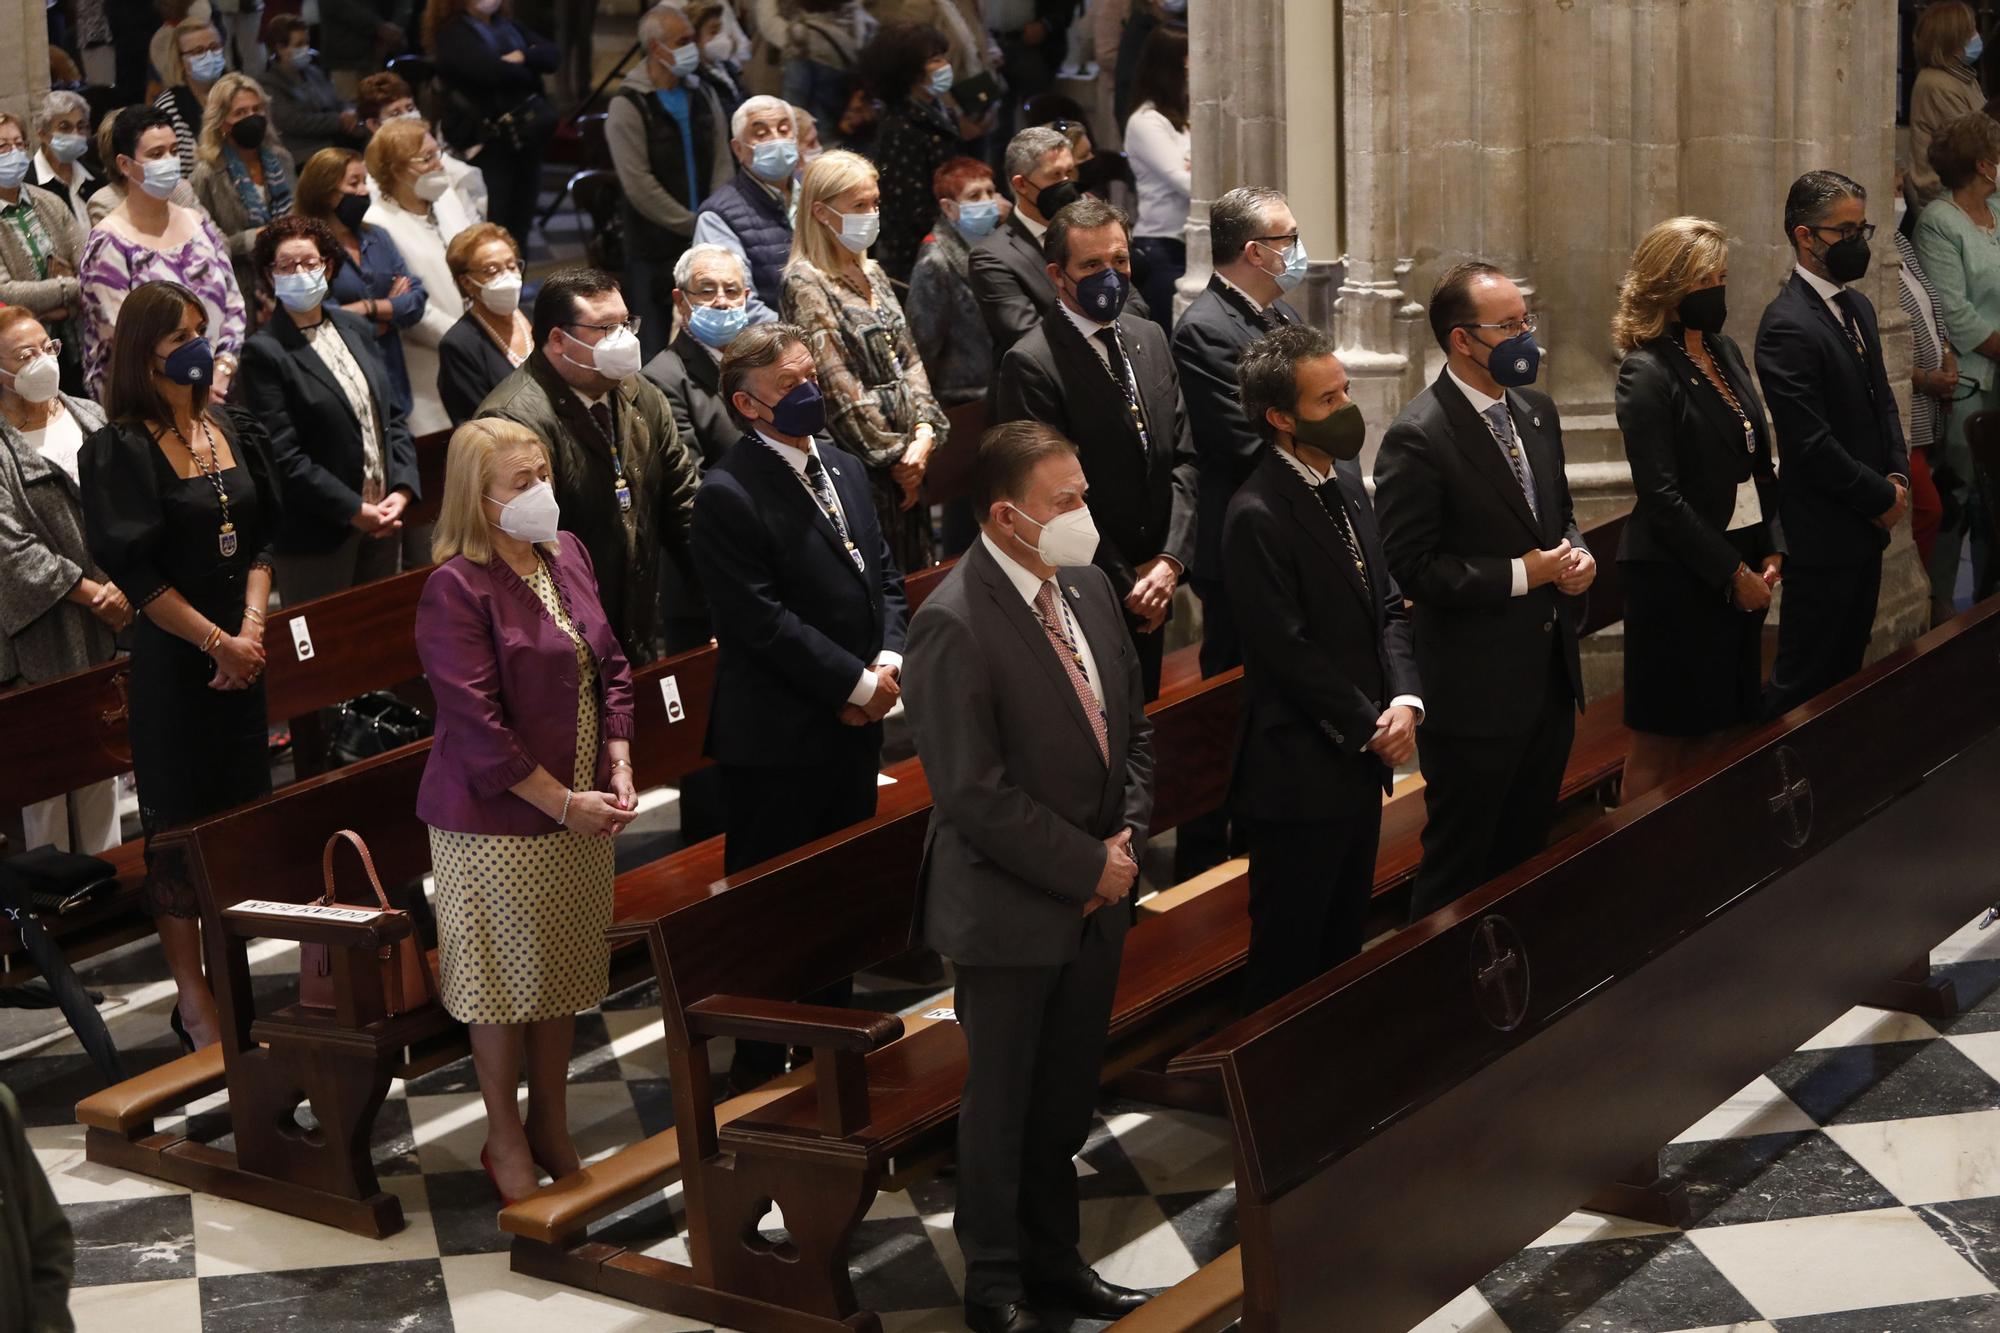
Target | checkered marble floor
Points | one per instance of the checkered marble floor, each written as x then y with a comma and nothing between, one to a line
1853,1189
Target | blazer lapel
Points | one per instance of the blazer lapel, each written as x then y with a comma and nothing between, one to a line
851,486
1034,640
293,339
1475,439
789,482
359,346
1103,630
701,367
1541,455
1306,510
1833,322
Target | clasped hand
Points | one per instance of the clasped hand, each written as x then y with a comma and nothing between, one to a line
1571,568
1152,594
1120,873
888,689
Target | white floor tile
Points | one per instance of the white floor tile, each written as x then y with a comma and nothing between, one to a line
1849,1261
232,1237
156,1307
1931,1159
1128,1241
1982,1048
59,1150
638,1041
1760,1108
1579,1227
1177,1152
1862,1026
1469,1313
488,1296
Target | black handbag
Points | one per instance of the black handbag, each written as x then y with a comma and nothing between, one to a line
373,724
521,128
54,882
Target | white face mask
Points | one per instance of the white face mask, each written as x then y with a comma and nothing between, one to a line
859,230
531,516
1067,539
617,357
502,295
39,380
430,186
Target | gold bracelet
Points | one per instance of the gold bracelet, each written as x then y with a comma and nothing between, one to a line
214,637
254,614
617,764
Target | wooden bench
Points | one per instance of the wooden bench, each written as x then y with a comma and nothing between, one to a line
1530,1042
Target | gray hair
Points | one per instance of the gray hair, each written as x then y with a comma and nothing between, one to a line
756,347
653,24
757,106
62,102
1238,218
1813,196
801,116
1026,150
684,266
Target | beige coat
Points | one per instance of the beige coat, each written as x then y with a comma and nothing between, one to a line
20,282
1940,97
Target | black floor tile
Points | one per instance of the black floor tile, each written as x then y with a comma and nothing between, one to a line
1765,1177
408,1296
1642,1284
133,1240
1895,1080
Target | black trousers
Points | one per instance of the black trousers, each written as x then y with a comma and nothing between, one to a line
1489,802
1034,1038
1823,631
771,810
1152,650
1221,645
1310,885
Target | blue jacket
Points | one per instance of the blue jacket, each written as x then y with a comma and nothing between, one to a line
762,229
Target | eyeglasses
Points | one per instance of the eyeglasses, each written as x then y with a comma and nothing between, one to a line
287,269
1848,231
1290,238
1513,328
631,326
488,272
210,49
53,347
709,291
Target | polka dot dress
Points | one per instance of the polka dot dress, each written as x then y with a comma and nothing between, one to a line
521,919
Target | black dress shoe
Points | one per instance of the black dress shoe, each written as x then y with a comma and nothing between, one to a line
1013,1317
1087,1294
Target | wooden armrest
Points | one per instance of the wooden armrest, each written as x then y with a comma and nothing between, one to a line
384,929
817,1025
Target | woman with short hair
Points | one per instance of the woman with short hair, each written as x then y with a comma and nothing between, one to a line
1702,548
494,336
527,783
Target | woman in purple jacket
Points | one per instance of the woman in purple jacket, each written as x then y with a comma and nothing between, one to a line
530,684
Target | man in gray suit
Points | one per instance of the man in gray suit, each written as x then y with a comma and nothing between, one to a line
1024,689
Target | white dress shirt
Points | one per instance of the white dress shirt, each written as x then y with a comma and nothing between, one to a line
1255,304
1089,328
1035,229
1030,587
59,442
1316,480
1480,402
795,459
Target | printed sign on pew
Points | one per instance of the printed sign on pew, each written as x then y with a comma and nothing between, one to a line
308,911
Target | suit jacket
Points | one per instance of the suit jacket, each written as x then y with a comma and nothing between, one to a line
1208,342
692,382
1688,457
505,679
1453,522
1010,278
470,366
795,622
1143,501
1839,435
1021,798
316,444
1323,653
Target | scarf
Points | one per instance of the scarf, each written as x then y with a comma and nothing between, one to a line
275,184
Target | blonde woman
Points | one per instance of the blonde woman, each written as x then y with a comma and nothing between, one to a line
242,175
879,405
421,213
194,60
1947,46
1702,548
528,782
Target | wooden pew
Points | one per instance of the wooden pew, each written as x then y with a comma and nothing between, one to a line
1528,1044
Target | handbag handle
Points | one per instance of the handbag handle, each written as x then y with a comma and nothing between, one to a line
367,863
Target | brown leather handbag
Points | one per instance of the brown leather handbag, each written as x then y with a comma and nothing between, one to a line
406,979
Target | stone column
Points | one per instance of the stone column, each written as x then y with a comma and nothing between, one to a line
1236,112
24,59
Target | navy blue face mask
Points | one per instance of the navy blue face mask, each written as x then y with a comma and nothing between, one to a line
800,412
1101,296
192,363
1514,362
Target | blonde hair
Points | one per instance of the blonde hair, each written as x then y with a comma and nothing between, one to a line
468,474
1672,260
835,173
395,143
1942,31
226,90
173,70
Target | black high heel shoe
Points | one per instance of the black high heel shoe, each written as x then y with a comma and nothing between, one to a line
180,1029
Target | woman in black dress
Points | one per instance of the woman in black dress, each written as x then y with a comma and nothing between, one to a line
178,509
1702,548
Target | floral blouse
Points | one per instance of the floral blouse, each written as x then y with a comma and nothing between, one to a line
112,266
869,369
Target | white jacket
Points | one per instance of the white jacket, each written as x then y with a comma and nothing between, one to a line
422,245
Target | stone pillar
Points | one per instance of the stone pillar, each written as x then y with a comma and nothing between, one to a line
1236,112
24,59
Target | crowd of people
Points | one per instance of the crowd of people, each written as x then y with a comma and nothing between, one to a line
859,327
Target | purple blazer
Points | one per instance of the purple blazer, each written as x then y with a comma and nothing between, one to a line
505,681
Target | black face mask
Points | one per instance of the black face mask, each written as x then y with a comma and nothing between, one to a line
1705,311
1846,261
350,210
248,132
1052,199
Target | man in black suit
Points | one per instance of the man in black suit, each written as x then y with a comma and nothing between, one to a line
1106,380
1843,476
1477,525
1255,239
709,278
1025,699
1006,269
808,610
1332,700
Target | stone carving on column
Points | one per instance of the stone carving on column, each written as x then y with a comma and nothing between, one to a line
24,61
